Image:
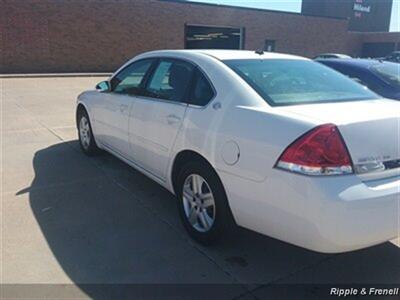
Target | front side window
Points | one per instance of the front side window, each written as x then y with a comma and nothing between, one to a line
201,92
295,81
170,80
130,79
389,72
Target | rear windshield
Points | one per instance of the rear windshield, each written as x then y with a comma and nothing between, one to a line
389,72
290,82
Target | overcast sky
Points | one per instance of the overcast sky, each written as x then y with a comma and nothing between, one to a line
295,6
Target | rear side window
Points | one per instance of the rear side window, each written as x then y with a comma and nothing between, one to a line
360,77
389,72
201,92
170,80
130,79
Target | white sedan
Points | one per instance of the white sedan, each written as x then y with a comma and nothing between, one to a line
275,143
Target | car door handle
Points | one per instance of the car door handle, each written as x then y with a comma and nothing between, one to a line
173,119
123,107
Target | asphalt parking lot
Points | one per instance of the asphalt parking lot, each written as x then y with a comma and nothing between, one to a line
67,218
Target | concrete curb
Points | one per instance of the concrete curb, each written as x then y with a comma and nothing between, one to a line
54,75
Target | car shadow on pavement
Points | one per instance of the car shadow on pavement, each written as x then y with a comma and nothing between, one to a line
107,223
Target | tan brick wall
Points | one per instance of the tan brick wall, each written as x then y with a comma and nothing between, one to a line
95,35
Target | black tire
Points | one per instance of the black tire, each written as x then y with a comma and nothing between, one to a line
223,221
86,141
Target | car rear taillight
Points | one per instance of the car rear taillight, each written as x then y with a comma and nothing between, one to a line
321,151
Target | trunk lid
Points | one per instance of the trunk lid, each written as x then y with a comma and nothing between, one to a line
370,129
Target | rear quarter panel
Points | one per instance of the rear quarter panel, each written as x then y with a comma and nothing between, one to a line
260,131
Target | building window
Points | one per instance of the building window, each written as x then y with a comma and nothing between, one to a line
210,37
269,45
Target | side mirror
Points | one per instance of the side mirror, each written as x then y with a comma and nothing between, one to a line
103,87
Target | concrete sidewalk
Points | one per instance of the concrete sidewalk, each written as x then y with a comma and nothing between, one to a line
70,219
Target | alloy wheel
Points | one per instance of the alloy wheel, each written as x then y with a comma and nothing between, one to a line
199,203
84,132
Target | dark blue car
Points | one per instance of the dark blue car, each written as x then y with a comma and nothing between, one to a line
382,77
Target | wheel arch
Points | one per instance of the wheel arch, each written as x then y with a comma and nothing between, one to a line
186,156
79,108
181,159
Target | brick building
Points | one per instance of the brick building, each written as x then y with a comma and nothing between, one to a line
39,36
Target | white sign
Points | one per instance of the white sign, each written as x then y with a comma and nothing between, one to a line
362,8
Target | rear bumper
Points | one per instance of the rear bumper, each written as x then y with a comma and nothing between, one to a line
358,216
333,214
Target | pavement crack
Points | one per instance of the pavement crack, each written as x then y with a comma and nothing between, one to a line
39,121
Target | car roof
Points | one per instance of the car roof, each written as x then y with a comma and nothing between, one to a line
351,62
227,54
338,54
216,54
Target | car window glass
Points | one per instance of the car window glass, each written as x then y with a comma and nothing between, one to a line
365,81
170,80
389,72
296,81
129,80
358,80
202,91
356,76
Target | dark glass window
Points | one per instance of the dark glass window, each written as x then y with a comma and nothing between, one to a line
269,45
210,37
202,92
170,80
360,76
130,79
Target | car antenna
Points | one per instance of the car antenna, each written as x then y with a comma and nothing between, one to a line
259,52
